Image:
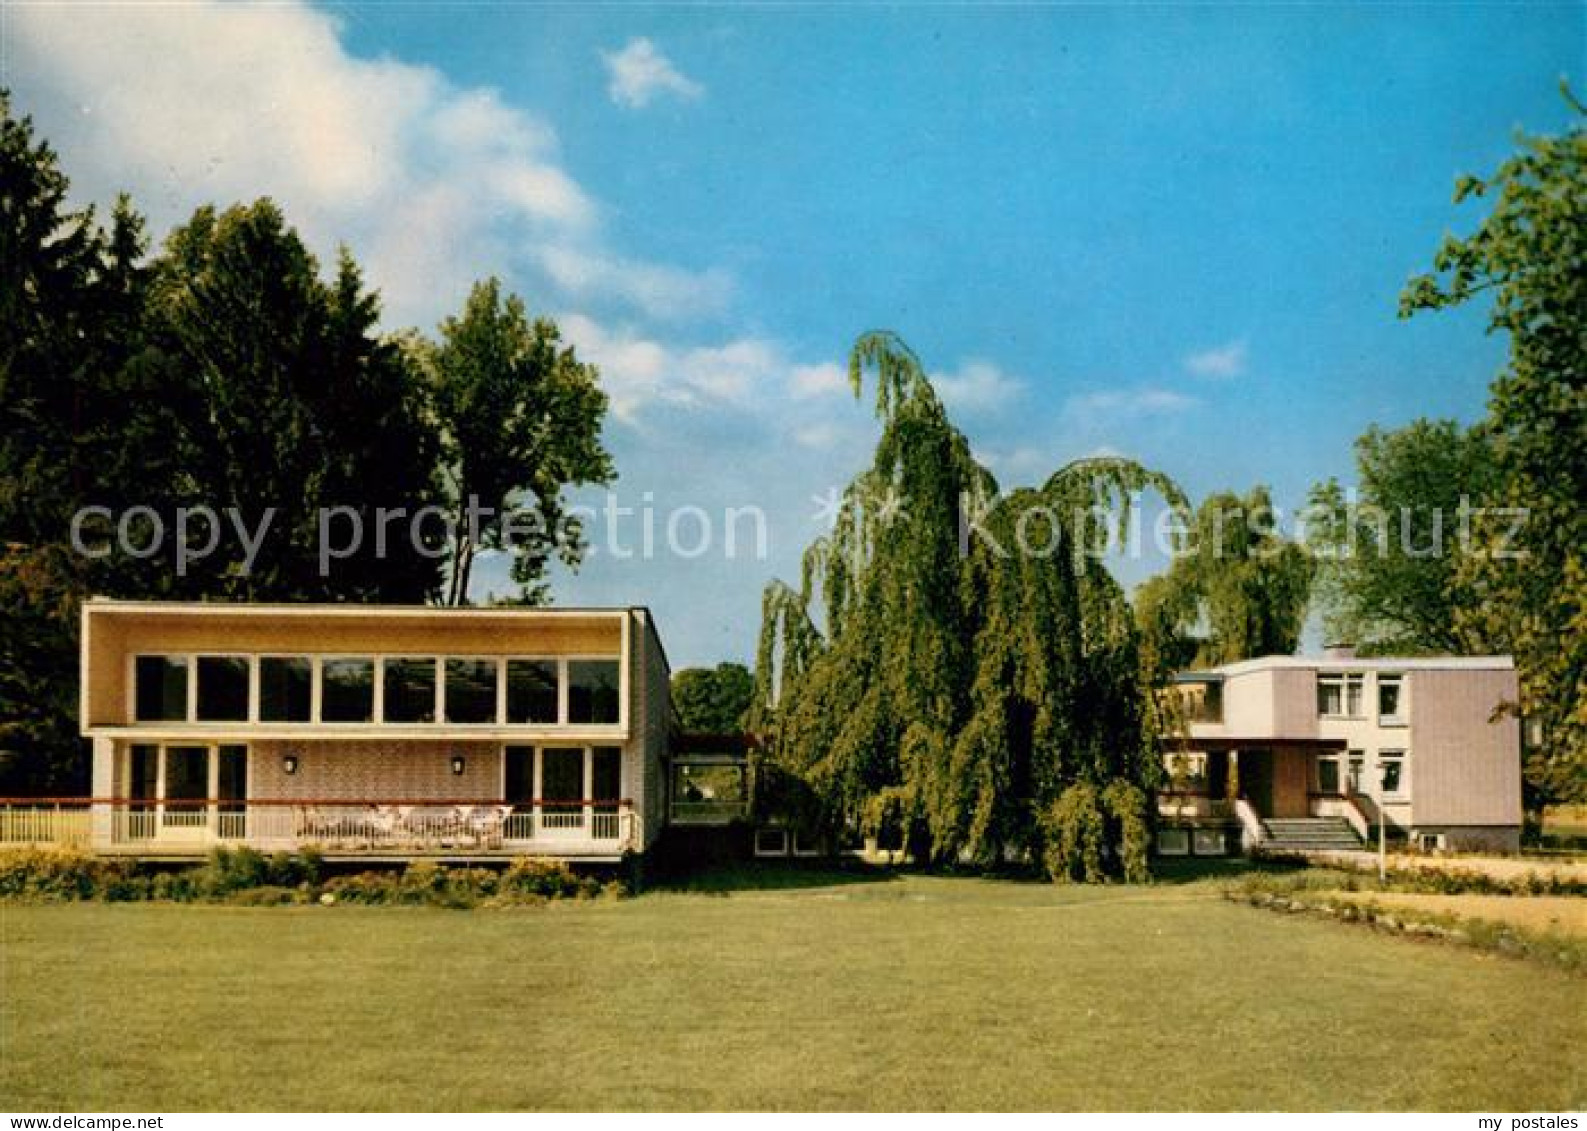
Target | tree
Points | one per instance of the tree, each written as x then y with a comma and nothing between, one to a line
949,691
521,422
1239,589
295,410
1527,572
1388,559
77,422
713,700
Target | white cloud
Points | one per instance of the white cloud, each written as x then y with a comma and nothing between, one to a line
978,386
640,373
1147,401
658,290
431,184
821,380
639,72
1228,360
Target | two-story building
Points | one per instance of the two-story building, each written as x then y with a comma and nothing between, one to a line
1290,752
374,731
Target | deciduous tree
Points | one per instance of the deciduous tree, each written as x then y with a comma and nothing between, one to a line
1528,584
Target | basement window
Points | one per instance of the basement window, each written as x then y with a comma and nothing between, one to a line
1173,842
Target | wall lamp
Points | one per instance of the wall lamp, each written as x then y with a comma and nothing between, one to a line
289,764
458,764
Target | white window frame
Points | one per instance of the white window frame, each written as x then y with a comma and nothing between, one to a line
1355,771
1340,769
787,841
1183,845
1398,719
1346,681
317,661
1403,756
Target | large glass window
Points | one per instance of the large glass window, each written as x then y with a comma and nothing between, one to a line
592,691
160,688
409,694
223,688
347,691
531,691
470,691
1357,761
286,689
1390,689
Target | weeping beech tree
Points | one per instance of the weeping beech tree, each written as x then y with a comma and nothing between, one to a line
957,666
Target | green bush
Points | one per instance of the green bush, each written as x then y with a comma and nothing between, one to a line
1077,835
53,873
245,877
1127,805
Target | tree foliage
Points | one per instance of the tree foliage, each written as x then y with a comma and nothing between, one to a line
292,405
1528,585
1239,588
77,421
1387,559
520,420
953,659
713,700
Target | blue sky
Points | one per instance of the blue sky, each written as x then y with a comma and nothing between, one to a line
1173,232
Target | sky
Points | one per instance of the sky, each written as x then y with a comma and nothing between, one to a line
1172,232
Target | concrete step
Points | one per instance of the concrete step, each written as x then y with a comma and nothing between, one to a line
1309,834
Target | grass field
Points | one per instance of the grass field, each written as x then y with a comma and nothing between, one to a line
817,991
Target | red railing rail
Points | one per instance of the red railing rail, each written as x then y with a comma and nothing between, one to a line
200,802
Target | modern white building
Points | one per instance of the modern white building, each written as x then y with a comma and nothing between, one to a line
1298,752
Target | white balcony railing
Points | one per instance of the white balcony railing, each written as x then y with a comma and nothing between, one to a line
334,826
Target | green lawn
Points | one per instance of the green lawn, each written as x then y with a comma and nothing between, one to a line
912,993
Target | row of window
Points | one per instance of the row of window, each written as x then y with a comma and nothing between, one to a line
362,689
1190,771
1341,695
190,773
1391,780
